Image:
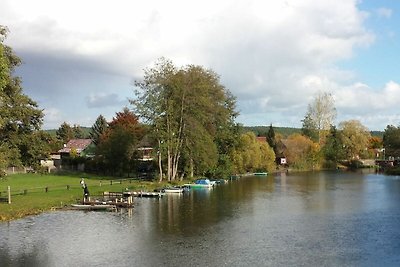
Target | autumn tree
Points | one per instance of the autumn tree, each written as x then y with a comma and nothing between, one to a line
252,155
189,113
354,138
320,115
302,153
118,145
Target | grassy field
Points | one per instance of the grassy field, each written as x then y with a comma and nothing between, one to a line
29,194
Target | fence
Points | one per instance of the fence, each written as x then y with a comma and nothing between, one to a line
6,196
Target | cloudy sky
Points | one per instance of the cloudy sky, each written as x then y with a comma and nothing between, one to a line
80,57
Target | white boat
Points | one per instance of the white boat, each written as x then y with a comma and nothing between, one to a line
173,190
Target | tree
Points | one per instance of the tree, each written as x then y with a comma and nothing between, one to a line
302,152
189,111
118,144
251,155
333,148
391,141
65,132
354,138
20,116
320,116
271,138
98,128
78,132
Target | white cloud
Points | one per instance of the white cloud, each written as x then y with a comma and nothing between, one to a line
273,55
101,100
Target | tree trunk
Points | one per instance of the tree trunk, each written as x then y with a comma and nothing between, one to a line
160,161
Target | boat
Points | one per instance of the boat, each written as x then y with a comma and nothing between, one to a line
93,207
260,173
201,183
173,190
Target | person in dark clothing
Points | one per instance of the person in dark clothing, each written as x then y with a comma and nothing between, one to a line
85,193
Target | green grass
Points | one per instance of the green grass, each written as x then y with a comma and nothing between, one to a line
37,200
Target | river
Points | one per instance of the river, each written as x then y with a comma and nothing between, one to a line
302,219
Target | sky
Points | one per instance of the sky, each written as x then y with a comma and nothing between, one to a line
81,58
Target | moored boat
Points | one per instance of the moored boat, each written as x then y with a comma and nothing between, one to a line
260,173
201,183
173,190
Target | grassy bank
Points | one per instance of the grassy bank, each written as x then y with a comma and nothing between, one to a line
34,193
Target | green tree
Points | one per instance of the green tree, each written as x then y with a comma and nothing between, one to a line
271,137
391,141
65,132
333,148
98,128
20,116
189,111
78,132
354,138
320,115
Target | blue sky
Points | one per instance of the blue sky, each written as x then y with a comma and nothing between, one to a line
81,57
379,63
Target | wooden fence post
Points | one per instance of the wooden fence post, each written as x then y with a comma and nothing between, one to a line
9,194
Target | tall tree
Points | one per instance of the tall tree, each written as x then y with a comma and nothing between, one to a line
189,111
98,128
20,116
271,137
333,148
320,115
354,138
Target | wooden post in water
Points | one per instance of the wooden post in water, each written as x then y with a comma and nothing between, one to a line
9,194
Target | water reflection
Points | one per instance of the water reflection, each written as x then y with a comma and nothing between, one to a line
312,219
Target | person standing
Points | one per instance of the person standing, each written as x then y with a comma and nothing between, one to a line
86,195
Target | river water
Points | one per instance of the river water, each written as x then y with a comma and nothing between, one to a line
308,219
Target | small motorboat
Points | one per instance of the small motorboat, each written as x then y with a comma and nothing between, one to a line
177,190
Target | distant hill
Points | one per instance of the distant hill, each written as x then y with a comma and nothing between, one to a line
286,131
258,130
263,130
86,131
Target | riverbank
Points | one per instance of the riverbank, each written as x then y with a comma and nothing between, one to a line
33,194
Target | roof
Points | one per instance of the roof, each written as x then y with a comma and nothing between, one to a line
261,139
78,144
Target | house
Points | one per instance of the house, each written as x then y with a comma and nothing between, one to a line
145,149
281,151
261,139
82,148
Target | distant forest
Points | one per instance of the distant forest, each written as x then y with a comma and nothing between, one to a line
286,131
258,130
